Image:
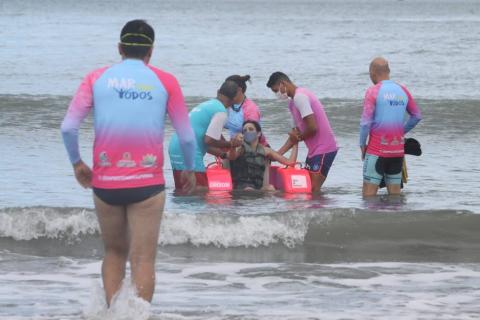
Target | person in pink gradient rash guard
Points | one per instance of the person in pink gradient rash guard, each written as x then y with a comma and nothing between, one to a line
129,100
382,122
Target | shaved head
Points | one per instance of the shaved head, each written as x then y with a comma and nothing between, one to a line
379,69
379,66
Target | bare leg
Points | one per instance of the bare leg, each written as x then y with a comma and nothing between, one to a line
369,189
393,189
317,180
113,227
144,225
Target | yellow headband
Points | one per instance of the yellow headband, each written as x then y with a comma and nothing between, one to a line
136,43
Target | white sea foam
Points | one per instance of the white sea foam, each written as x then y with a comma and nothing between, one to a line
258,291
222,230
36,222
126,305
233,231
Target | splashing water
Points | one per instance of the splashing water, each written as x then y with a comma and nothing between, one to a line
126,305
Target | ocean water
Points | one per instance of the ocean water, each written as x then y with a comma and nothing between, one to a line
243,255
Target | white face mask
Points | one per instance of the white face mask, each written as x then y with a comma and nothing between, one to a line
281,95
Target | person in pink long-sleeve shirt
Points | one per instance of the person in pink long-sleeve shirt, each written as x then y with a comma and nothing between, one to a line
383,129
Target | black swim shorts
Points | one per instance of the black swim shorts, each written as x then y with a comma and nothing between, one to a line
123,197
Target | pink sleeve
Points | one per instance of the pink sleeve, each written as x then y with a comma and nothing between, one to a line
82,101
251,111
369,105
81,104
412,107
78,110
368,113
